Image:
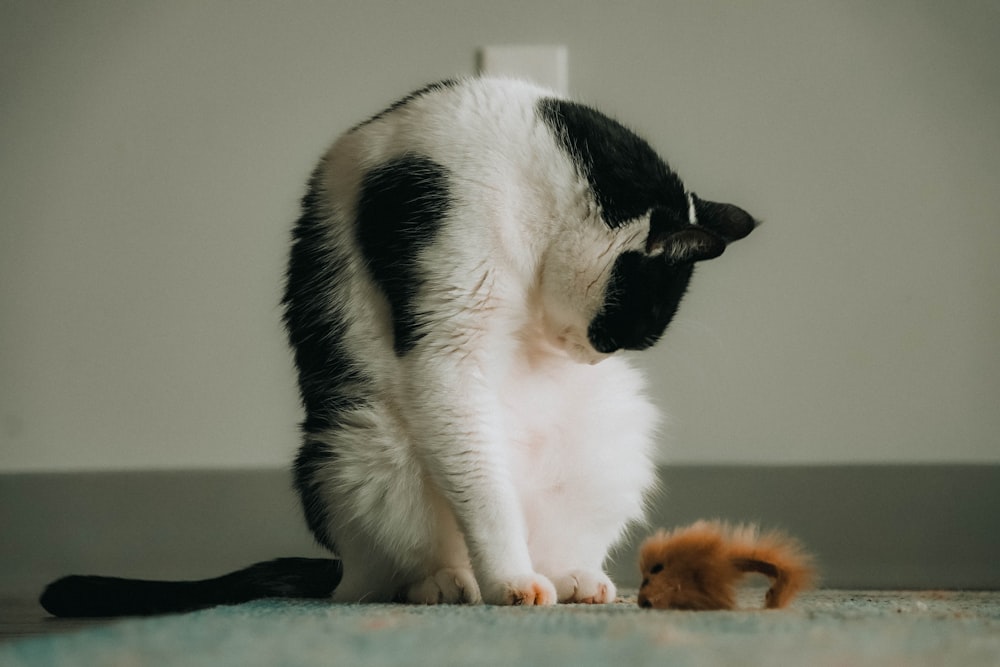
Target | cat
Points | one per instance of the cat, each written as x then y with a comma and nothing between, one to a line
468,266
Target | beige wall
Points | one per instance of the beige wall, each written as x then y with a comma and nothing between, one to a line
151,156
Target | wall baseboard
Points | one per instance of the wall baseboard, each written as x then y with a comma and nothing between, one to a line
923,526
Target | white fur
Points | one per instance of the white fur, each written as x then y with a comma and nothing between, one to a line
502,457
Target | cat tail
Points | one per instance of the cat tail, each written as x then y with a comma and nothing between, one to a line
777,556
89,596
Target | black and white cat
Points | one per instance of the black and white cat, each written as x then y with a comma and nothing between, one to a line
466,265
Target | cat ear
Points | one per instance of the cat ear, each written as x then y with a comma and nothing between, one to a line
730,222
691,244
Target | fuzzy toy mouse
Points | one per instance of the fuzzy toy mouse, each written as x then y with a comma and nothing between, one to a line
698,567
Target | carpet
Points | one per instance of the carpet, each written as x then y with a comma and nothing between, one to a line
821,628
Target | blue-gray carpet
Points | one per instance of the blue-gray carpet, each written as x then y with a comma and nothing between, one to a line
821,628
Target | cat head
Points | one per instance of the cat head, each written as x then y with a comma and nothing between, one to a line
646,286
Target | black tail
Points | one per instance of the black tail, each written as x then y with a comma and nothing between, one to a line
80,596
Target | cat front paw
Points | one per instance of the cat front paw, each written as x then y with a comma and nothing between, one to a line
446,586
527,590
585,586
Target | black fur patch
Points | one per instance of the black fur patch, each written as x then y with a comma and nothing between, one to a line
328,379
400,210
398,104
641,299
627,176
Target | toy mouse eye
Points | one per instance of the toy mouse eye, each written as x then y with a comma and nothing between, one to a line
656,568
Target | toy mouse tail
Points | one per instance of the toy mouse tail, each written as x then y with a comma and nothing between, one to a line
780,558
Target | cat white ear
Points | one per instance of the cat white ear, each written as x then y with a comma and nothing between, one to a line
692,244
730,222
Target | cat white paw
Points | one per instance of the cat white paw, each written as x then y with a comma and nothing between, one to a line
527,590
585,586
446,586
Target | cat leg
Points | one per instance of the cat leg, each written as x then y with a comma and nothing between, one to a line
583,473
372,502
450,579
461,446
372,577
497,547
367,498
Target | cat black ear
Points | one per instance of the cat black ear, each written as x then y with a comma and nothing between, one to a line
691,244
730,222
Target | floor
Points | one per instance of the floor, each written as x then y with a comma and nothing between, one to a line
824,628
21,617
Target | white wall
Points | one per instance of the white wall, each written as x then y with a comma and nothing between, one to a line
152,155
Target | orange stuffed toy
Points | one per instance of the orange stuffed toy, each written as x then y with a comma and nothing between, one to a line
698,567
